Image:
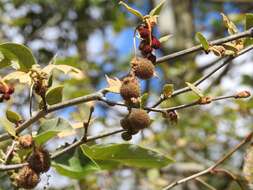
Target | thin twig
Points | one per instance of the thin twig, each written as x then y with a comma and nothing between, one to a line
202,182
86,124
42,113
4,167
172,56
202,79
10,152
211,168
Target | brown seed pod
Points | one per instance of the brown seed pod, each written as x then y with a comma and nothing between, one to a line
126,136
26,141
130,88
40,160
27,178
125,124
138,119
143,68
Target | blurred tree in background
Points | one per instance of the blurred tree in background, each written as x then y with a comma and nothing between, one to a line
96,36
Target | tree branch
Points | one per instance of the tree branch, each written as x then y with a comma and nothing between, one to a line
42,113
202,79
247,33
4,167
211,168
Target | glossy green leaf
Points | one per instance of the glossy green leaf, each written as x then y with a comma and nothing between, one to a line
195,89
13,117
75,164
203,41
157,9
131,10
17,54
168,90
54,95
144,99
50,129
115,155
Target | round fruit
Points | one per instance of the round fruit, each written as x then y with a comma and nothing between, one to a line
27,178
139,119
26,141
126,136
143,68
125,124
130,88
40,161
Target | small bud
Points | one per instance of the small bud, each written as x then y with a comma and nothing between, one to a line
205,100
243,94
10,90
171,115
147,49
6,96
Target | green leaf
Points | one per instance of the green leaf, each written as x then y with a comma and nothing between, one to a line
131,10
203,41
50,129
168,90
54,95
9,128
248,21
248,25
144,99
13,117
195,89
17,54
165,38
157,9
115,155
75,164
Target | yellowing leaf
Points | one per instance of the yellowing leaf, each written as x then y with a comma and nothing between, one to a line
157,9
66,69
22,77
66,133
232,29
77,125
131,10
8,127
195,89
165,38
114,84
